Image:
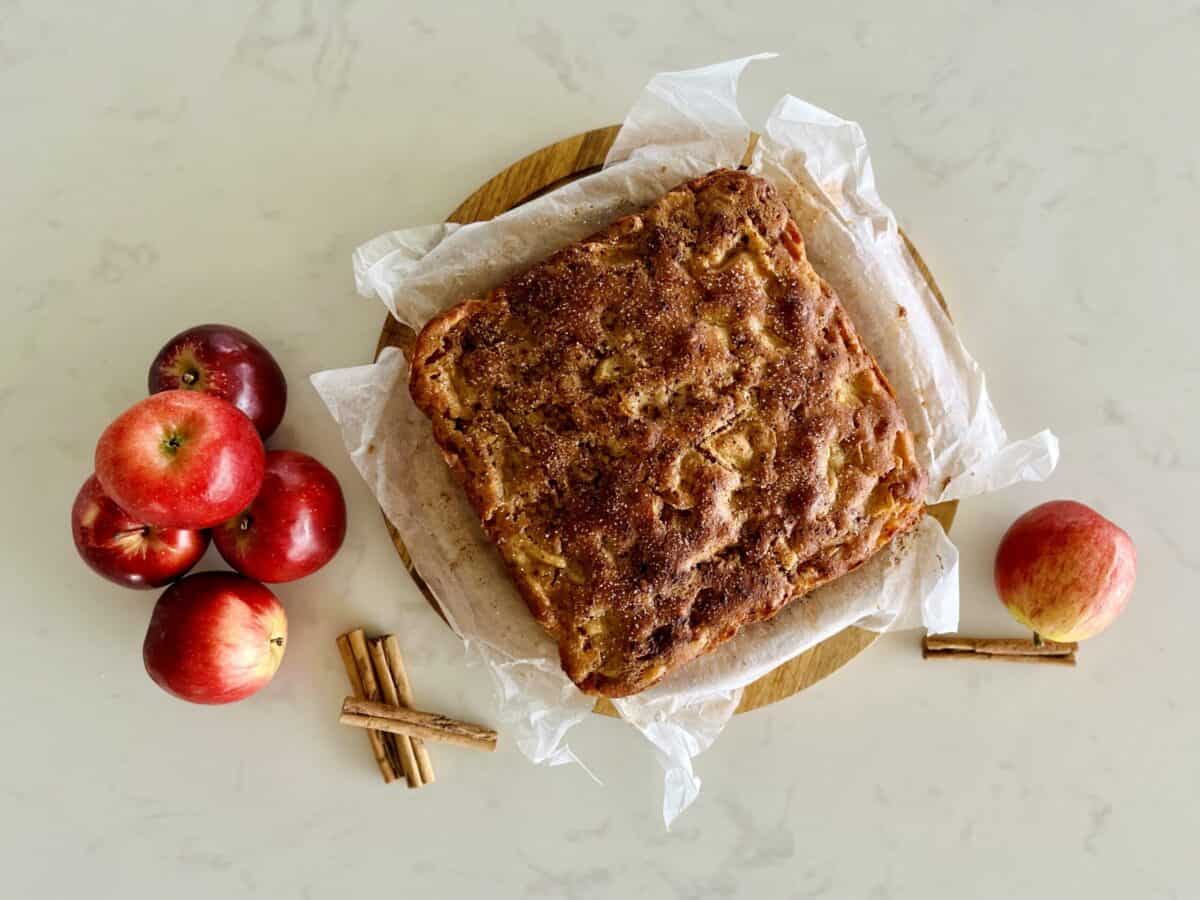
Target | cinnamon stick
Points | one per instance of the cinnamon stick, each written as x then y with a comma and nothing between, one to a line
356,684
1003,649
387,687
391,649
1001,657
362,661
415,723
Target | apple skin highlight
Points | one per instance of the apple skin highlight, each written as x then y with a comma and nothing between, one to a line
126,550
181,459
1065,571
215,637
295,525
228,363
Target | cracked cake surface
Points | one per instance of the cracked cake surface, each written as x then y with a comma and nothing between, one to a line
669,430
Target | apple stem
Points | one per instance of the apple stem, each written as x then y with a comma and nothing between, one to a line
1037,639
189,377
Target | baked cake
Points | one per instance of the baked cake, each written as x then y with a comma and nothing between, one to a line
670,430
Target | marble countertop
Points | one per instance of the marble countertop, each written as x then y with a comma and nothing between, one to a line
171,164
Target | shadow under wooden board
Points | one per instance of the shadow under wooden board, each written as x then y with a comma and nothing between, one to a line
544,171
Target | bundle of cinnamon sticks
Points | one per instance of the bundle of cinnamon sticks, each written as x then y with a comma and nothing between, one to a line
382,703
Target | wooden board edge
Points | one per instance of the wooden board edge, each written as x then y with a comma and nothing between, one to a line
545,170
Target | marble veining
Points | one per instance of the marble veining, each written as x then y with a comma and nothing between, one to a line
169,164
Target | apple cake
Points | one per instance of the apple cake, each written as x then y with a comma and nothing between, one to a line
670,430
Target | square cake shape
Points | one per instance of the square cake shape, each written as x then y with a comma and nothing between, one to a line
670,430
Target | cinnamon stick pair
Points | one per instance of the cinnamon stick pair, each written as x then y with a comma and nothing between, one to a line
956,646
376,672
414,758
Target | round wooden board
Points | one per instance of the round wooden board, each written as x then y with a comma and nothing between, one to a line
544,171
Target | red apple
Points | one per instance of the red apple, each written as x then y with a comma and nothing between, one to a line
228,363
1065,571
215,637
181,459
294,526
126,550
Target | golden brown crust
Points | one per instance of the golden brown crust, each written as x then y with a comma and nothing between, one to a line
670,430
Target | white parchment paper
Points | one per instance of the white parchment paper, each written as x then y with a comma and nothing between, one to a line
682,125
